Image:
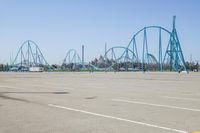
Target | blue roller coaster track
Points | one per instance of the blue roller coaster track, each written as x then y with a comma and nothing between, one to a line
173,57
137,55
29,55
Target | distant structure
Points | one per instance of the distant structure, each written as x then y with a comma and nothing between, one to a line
72,60
83,55
168,56
121,58
174,50
29,56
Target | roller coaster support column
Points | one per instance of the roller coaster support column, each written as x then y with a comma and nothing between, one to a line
174,50
105,55
160,50
133,54
145,52
126,59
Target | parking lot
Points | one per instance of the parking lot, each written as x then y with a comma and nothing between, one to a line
99,102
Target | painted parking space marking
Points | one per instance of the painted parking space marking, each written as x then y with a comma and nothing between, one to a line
156,105
118,118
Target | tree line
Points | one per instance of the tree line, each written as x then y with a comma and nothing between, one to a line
190,66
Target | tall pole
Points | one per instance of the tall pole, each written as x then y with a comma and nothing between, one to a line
83,55
174,22
28,54
10,59
105,55
105,48
133,57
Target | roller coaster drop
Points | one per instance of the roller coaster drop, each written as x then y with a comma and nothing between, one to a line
173,58
29,55
118,57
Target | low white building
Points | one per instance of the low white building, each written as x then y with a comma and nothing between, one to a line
36,69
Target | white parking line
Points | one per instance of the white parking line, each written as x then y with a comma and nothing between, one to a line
117,118
157,105
180,98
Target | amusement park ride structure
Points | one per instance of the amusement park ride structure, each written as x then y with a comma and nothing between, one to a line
29,54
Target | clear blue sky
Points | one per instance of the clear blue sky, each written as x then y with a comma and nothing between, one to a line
59,25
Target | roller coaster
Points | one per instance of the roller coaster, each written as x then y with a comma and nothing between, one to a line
29,55
144,52
127,58
72,61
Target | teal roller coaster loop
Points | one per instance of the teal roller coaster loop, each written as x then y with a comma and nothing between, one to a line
29,55
128,56
72,56
173,53
145,51
72,61
173,57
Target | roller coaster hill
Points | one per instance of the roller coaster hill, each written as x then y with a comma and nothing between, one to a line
153,48
29,58
141,53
